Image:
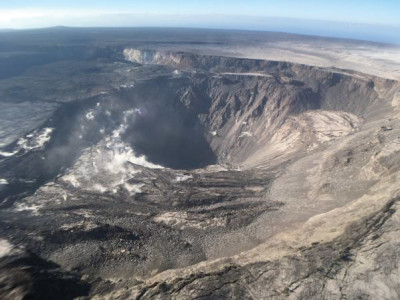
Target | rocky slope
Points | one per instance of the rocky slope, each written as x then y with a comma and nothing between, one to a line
182,176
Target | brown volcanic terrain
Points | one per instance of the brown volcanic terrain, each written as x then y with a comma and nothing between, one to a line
172,175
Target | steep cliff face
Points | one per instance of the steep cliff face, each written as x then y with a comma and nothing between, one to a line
250,107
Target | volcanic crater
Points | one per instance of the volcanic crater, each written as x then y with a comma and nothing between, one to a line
191,164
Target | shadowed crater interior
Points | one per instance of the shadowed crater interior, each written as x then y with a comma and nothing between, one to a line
166,130
171,139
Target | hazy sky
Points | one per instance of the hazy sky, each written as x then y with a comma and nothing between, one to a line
366,19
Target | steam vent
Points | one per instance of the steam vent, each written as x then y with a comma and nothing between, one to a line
149,164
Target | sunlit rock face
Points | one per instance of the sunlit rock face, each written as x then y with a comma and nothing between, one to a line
163,174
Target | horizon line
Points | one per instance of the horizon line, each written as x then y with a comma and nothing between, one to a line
311,35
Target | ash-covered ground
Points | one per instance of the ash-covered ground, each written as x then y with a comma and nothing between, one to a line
162,164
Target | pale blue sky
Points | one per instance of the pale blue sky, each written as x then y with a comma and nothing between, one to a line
367,19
